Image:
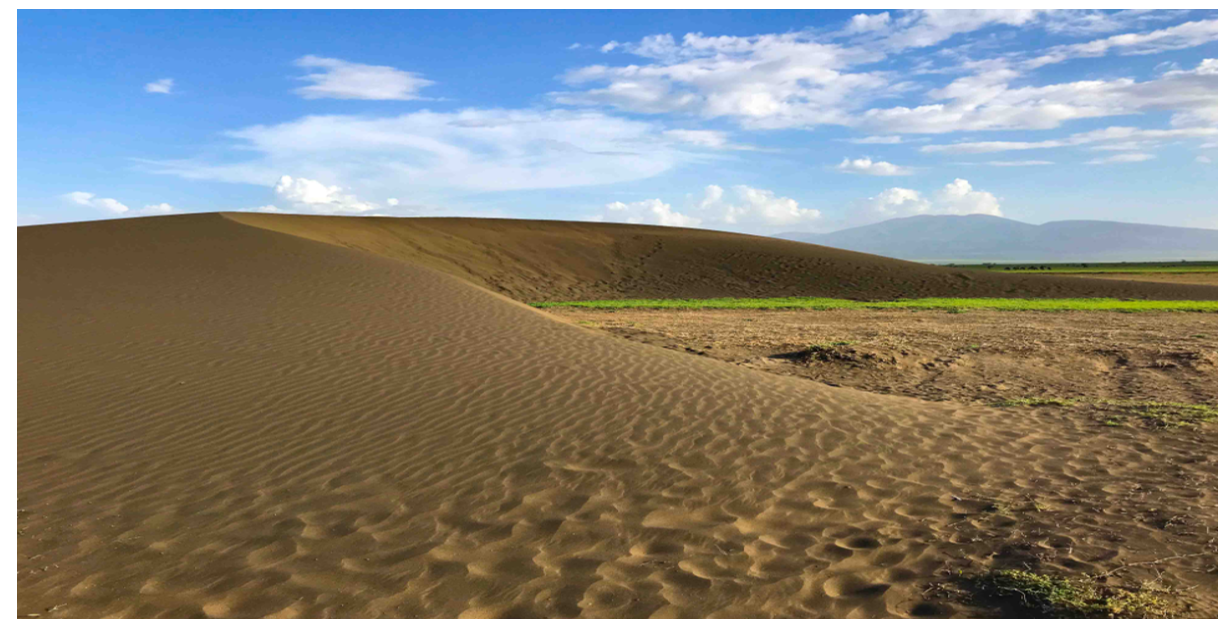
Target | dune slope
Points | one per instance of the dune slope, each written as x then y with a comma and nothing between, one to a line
217,419
557,261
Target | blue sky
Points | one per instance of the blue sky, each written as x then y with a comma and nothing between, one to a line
761,122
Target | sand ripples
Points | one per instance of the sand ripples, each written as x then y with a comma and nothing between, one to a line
234,422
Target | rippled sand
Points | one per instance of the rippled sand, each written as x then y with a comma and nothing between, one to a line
217,419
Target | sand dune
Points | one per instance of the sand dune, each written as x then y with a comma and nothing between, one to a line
551,260
219,419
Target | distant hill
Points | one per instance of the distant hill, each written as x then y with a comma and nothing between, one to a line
995,239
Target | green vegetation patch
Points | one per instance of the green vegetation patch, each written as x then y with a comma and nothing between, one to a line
1097,267
1052,596
1164,413
948,304
1036,402
1160,414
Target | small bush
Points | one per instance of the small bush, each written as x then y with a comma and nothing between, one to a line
1053,596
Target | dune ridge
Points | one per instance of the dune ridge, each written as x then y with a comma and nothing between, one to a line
537,261
218,419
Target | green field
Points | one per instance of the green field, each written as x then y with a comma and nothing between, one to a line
1087,267
950,304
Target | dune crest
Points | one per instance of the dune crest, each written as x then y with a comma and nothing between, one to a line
535,261
223,420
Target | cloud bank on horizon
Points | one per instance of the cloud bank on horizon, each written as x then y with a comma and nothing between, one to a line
801,128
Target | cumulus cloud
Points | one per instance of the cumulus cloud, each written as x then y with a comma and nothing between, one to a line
468,150
752,208
392,202
894,203
648,212
866,166
315,196
164,86
338,79
1123,158
957,197
863,22
157,208
743,208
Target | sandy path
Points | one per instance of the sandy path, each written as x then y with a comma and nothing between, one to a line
217,419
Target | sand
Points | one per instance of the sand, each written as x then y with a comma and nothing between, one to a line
219,419
538,261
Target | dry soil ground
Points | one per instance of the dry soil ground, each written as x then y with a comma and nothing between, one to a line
1204,279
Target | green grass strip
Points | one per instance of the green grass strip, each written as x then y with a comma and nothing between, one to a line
948,304
1110,271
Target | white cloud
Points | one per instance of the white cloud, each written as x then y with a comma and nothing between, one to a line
985,101
750,208
271,209
1186,35
894,203
919,29
1123,158
1204,159
773,80
957,197
863,22
340,79
164,86
803,79
1130,135
392,202
1012,163
468,150
157,208
93,201
647,212
866,166
877,140
743,208
315,196
114,207
703,138
1077,22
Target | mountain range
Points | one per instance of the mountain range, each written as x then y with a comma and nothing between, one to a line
982,238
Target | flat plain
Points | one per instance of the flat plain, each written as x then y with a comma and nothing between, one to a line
259,415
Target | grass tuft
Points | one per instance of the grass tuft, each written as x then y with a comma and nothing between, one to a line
951,305
1036,402
1053,596
1165,414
